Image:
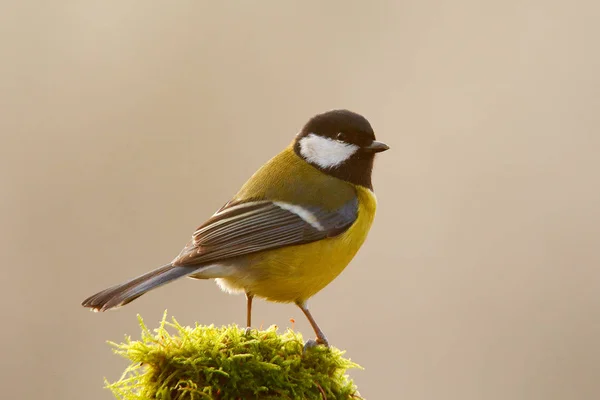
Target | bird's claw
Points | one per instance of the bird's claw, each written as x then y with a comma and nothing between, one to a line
310,343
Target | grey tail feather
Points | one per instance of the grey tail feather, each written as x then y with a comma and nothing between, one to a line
124,293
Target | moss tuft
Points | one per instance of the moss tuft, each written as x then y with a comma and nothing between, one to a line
205,362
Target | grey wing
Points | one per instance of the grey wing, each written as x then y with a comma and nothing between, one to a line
243,228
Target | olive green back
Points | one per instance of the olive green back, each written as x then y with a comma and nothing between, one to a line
286,177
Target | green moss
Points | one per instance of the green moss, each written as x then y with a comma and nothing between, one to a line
205,362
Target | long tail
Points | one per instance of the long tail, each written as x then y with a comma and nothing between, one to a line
124,293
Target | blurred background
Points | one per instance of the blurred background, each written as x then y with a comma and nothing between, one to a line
124,125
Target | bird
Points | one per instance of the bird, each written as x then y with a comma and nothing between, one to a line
292,228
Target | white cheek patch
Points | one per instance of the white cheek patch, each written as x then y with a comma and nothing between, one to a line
325,152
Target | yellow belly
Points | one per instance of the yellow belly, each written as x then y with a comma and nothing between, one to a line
296,273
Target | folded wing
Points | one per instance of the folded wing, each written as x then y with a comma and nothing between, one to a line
249,227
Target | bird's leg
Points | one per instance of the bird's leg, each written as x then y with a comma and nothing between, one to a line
249,297
321,339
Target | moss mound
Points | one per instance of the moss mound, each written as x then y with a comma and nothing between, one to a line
205,362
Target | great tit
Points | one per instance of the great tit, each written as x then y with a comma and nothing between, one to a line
290,230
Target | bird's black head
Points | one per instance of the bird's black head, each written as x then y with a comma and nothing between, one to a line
340,143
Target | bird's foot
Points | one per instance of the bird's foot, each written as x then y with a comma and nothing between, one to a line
314,343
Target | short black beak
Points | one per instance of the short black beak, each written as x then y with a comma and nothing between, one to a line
377,147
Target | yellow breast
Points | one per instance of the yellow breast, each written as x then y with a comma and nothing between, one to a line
296,273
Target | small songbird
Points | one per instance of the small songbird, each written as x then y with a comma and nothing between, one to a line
290,230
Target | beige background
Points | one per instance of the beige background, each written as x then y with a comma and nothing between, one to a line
125,124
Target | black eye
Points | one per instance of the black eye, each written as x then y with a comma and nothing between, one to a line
341,137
